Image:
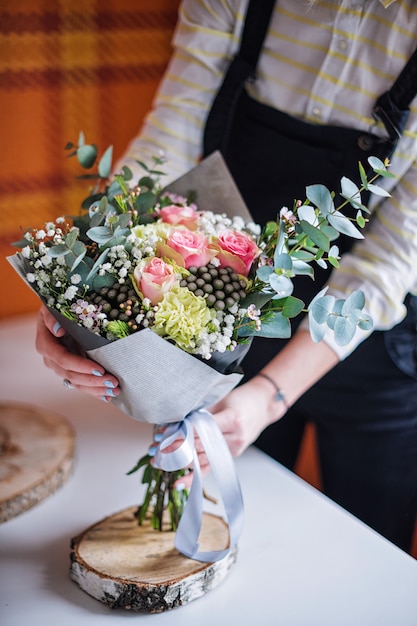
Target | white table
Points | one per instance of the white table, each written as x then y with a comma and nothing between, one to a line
302,560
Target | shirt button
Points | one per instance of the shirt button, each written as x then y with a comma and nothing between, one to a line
343,45
317,112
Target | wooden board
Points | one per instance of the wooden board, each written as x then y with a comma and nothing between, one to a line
36,456
138,568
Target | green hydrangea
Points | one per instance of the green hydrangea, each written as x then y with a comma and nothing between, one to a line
181,317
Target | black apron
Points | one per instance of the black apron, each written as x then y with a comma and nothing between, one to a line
273,157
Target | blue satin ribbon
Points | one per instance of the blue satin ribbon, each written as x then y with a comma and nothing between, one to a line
222,465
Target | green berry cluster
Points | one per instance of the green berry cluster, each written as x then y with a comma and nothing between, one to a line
119,302
221,287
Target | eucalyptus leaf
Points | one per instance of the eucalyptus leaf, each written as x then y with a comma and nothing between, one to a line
59,250
307,212
282,261
316,235
87,155
100,234
81,139
344,225
145,201
105,163
281,284
356,300
103,280
378,191
317,331
301,268
362,173
321,308
264,272
350,192
127,173
344,330
71,238
365,322
321,197
78,260
258,298
101,259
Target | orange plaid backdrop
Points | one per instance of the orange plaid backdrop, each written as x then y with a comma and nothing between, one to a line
67,66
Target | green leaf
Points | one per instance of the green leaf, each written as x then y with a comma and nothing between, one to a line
105,163
127,173
99,261
307,212
376,163
292,307
360,220
258,298
275,327
364,178
146,181
86,155
102,280
145,201
321,197
317,331
316,235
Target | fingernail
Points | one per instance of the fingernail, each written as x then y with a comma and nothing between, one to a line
110,392
151,451
108,383
56,327
96,373
105,399
180,487
158,437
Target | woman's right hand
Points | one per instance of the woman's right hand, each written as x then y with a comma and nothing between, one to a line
84,374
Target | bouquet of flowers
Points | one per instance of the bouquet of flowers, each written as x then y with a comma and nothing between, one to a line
166,294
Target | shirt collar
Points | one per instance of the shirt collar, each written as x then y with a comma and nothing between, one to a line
386,3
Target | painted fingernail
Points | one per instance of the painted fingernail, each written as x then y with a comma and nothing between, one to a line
105,399
110,392
108,383
151,451
158,437
180,487
96,373
56,327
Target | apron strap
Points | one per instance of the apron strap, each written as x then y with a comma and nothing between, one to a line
241,69
392,107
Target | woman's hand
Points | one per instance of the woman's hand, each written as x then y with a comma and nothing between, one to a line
84,374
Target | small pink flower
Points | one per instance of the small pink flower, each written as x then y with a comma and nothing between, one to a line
237,250
154,278
179,216
187,248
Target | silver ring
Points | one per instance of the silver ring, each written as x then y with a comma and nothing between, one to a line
67,383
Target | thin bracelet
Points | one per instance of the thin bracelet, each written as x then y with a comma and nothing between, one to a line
279,396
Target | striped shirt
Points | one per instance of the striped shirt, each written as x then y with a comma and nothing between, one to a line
325,64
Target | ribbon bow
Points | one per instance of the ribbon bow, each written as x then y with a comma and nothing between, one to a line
222,465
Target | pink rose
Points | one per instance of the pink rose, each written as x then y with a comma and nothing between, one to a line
237,250
154,278
187,248
179,215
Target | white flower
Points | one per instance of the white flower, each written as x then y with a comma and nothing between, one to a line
75,279
70,293
41,234
26,252
31,278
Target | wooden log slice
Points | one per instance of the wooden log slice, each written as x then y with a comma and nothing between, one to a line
36,456
138,568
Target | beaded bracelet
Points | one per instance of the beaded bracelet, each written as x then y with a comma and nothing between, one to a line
279,396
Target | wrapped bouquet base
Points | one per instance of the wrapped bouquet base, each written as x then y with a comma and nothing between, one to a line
36,456
133,567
